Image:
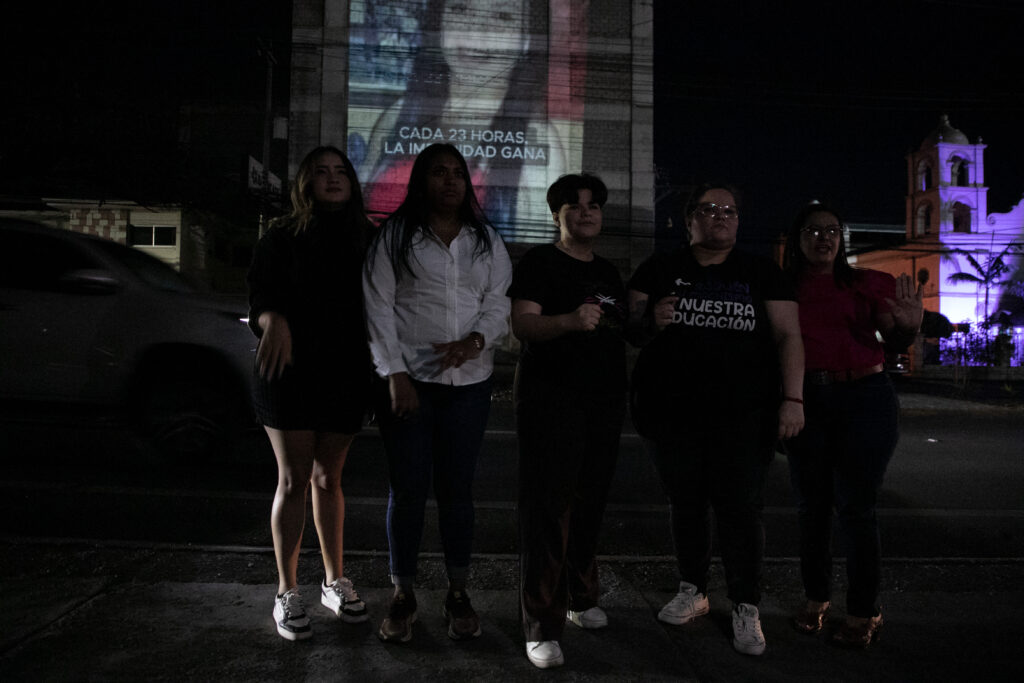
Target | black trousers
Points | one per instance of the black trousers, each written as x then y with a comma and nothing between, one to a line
718,463
568,447
838,462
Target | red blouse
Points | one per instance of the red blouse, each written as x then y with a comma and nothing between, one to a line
839,324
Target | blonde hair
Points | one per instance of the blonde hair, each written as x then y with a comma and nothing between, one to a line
302,194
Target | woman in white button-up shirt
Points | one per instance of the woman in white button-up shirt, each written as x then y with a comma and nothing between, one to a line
435,284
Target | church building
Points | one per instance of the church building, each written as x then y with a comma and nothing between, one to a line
953,244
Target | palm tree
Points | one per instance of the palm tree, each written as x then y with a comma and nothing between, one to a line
987,275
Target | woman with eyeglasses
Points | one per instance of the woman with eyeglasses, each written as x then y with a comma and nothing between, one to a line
718,381
852,413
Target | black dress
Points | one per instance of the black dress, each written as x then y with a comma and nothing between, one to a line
313,279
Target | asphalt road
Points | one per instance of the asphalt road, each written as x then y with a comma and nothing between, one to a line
116,567
952,490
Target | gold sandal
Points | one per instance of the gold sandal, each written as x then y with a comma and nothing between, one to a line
811,617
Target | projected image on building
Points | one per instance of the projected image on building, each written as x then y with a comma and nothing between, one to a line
480,74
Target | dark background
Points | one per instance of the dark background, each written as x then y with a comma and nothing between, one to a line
789,100
796,101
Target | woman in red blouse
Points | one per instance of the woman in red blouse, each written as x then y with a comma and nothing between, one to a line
851,412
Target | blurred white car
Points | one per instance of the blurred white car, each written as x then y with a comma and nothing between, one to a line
90,322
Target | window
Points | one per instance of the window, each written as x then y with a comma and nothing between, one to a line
924,176
959,174
924,221
961,218
152,235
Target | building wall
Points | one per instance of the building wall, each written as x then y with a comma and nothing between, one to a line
614,140
108,223
111,220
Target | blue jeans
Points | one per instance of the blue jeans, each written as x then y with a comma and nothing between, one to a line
721,463
838,461
441,441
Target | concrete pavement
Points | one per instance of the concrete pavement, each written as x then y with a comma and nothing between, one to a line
92,612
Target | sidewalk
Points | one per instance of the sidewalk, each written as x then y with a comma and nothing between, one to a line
106,613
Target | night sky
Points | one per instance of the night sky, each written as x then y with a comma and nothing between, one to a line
793,103
790,101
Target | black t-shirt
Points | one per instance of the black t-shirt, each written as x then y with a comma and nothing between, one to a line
584,361
719,354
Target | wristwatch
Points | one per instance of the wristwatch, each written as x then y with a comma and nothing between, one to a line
477,339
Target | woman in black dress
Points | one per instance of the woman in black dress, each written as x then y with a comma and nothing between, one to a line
312,370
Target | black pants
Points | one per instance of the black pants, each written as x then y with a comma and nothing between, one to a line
719,463
838,461
568,446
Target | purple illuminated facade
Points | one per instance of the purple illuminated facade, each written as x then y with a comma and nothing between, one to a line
952,237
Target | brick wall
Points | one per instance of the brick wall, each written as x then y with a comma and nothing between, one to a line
111,224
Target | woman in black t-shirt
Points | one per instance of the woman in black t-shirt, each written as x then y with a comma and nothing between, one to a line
719,330
568,310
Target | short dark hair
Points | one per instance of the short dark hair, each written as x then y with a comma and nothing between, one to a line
702,189
566,190
793,260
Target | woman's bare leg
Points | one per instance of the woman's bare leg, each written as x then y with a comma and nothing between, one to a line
294,451
330,452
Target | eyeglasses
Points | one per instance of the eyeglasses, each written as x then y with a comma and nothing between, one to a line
816,231
712,210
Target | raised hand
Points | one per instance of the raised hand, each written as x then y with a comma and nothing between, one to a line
906,307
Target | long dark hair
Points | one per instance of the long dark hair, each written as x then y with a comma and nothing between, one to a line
399,230
303,203
793,260
524,100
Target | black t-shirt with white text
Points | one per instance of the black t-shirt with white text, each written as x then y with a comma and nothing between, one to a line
719,354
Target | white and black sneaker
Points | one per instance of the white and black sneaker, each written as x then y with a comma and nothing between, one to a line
341,598
290,616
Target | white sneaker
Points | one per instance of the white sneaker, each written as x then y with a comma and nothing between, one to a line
594,617
341,598
746,630
685,607
290,616
544,654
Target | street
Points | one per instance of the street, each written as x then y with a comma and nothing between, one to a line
117,567
952,490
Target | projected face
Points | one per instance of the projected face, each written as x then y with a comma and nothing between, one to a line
482,39
473,73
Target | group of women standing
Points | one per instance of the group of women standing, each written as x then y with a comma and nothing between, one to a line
737,355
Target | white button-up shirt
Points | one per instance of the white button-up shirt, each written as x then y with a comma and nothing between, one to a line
452,291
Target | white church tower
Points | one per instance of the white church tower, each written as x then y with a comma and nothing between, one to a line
946,184
947,216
